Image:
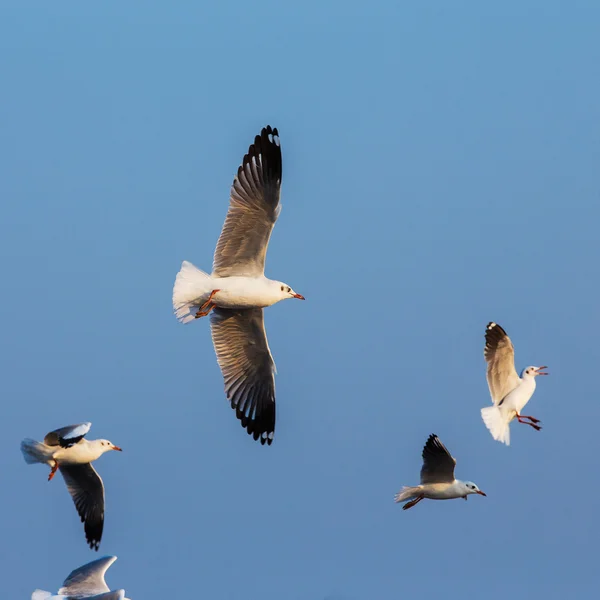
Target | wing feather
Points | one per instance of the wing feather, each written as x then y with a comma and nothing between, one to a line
253,210
68,436
499,354
87,490
89,578
438,463
248,369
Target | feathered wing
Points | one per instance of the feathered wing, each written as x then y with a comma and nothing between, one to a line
438,463
87,490
88,579
248,369
499,354
253,209
67,436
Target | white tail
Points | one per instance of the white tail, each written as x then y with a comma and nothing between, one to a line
35,452
41,595
496,422
191,286
407,493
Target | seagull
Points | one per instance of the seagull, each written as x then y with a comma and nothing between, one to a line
237,290
437,477
85,582
510,393
65,449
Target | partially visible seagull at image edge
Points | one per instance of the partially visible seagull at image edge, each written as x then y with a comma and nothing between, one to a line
237,290
85,582
67,451
510,393
437,478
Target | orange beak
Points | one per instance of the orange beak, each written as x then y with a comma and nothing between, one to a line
117,448
481,493
299,296
539,371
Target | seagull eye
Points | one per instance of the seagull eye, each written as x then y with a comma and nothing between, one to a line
289,289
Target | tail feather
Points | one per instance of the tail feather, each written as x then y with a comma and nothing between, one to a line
35,452
407,493
191,286
496,422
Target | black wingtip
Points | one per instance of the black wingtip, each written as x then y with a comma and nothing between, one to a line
493,334
492,327
268,146
270,131
261,427
93,534
431,440
433,443
93,543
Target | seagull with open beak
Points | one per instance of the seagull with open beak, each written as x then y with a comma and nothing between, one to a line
510,393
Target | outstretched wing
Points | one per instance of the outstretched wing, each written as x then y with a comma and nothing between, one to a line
67,436
499,354
88,579
248,369
438,464
87,490
253,210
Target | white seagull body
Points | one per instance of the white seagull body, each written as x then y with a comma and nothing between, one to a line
65,449
437,478
85,582
510,393
237,290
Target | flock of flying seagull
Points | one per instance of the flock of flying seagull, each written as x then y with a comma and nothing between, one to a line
234,295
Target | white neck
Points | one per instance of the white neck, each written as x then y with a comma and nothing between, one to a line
528,381
93,449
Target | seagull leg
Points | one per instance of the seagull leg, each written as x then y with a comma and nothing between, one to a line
203,313
412,502
532,419
207,306
53,471
521,417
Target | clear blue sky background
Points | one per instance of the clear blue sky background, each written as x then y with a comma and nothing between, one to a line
440,171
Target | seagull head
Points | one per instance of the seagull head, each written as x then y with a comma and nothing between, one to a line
106,445
531,372
286,291
471,488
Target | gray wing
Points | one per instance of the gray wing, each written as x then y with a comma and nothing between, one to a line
88,579
499,353
253,210
438,464
87,490
67,436
248,369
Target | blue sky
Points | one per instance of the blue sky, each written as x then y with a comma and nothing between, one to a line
440,171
